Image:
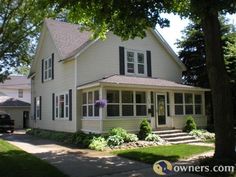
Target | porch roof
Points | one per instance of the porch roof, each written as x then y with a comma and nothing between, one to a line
143,82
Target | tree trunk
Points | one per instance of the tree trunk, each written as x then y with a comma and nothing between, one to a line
220,87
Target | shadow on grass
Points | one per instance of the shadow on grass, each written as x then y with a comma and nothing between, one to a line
17,163
147,157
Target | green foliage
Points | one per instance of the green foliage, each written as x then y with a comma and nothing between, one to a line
98,144
145,129
190,124
115,140
118,131
153,137
20,25
131,138
79,138
203,134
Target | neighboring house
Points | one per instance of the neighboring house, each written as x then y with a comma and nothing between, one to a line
15,97
139,78
18,87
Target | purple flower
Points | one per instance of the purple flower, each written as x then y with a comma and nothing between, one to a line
101,103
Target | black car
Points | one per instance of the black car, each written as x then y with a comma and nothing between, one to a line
6,124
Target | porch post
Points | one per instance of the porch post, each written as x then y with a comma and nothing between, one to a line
102,112
172,107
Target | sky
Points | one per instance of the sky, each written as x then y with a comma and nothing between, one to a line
172,33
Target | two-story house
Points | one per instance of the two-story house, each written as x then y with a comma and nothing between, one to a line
72,73
15,98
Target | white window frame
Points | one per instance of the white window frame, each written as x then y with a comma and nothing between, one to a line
65,106
120,104
37,113
90,104
136,63
20,93
47,69
193,104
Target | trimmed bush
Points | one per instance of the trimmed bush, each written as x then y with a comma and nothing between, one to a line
115,140
98,144
153,137
131,138
190,124
145,129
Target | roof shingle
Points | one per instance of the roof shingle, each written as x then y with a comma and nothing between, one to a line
6,101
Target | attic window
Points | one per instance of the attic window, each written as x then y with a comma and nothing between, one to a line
48,69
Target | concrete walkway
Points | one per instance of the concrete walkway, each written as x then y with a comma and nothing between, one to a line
81,162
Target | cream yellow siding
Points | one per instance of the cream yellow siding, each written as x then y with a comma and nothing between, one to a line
64,79
180,121
130,124
102,59
91,125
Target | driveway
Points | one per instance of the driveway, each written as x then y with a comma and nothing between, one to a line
81,162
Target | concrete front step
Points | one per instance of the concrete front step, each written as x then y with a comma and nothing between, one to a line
186,141
173,135
176,136
180,138
161,132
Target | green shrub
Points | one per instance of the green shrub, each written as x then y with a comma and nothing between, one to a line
153,137
98,143
203,135
190,124
145,129
115,140
118,131
131,138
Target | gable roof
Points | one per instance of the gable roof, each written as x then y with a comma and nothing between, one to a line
67,37
122,80
6,101
16,82
70,41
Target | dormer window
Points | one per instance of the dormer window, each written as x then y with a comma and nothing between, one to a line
135,63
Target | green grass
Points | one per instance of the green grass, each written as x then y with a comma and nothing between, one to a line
16,163
171,153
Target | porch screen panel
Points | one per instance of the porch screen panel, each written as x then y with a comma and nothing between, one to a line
113,108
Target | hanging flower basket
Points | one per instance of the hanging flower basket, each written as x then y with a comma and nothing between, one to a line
101,103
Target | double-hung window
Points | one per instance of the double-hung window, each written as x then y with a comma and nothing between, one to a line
88,107
47,69
20,93
135,62
62,106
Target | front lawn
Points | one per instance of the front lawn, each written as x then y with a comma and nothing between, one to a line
171,153
16,163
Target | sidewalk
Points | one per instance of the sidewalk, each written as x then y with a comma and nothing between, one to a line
81,162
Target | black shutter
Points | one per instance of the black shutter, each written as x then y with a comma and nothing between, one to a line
34,108
70,104
42,72
149,64
52,65
53,106
122,60
40,108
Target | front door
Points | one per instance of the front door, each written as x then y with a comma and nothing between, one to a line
161,109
